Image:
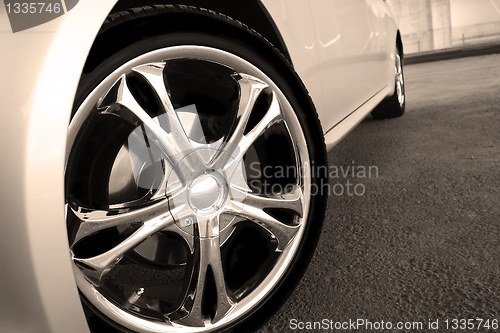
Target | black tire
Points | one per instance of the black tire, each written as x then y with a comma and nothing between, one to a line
394,105
241,42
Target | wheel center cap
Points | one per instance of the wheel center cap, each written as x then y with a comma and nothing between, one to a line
205,193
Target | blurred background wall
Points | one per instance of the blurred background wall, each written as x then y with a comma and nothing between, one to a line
428,25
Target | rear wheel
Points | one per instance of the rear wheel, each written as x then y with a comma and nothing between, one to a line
393,106
191,205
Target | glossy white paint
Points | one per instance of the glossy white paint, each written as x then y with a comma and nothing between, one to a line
347,39
388,28
40,70
39,73
294,20
344,52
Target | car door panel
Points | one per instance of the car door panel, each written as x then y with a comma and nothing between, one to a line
348,45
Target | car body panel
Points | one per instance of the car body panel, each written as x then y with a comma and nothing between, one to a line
40,71
346,43
43,67
295,22
344,65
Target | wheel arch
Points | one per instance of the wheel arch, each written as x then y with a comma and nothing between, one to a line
124,27
253,14
399,44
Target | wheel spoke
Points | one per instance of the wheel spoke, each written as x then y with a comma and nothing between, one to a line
207,255
398,64
228,231
250,89
98,266
94,220
272,115
161,191
174,144
291,201
253,209
153,73
399,80
283,232
244,142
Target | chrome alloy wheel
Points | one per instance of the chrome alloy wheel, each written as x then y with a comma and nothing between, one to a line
165,218
394,105
400,85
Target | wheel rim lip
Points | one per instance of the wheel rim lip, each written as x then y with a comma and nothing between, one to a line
261,292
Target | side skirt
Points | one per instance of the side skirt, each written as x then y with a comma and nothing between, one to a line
341,129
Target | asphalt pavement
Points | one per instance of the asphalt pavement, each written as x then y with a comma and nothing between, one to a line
421,244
